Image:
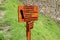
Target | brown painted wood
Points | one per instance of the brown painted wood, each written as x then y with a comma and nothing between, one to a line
30,13
29,26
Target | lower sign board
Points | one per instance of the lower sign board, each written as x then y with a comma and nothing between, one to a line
27,13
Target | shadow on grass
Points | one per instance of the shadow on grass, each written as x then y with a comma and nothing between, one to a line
2,8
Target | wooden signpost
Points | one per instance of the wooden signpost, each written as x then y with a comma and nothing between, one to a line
28,14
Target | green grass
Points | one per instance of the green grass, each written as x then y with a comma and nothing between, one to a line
2,36
44,29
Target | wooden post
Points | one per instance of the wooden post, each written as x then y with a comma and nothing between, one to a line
28,14
29,26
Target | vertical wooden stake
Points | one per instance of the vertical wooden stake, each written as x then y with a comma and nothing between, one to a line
28,34
29,26
28,31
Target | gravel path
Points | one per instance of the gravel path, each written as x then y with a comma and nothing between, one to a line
5,27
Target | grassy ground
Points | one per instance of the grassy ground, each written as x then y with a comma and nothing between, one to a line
44,29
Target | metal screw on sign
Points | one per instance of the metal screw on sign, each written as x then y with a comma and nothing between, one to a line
28,14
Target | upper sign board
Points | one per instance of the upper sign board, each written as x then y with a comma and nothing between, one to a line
27,13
